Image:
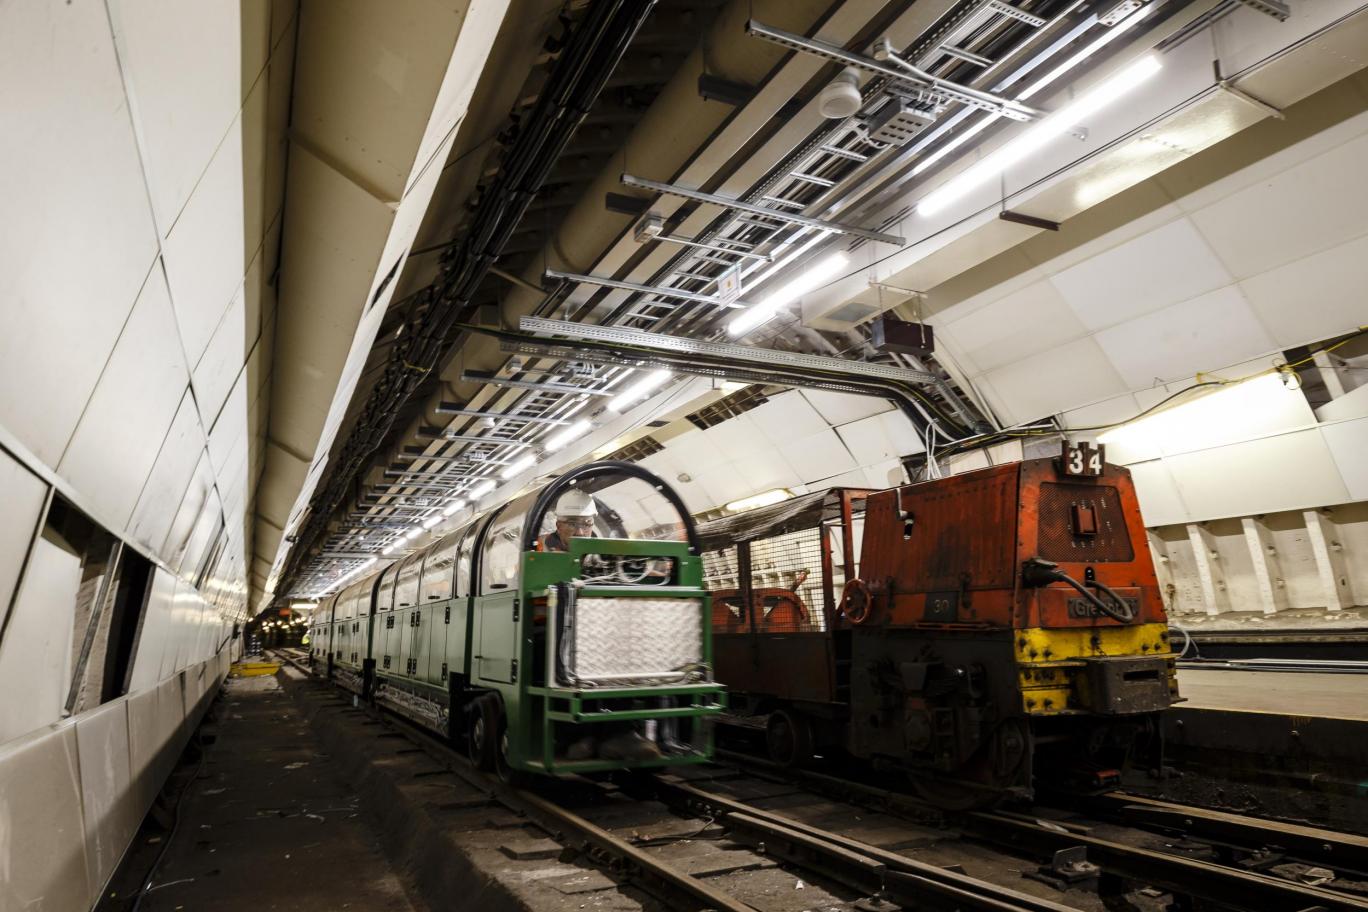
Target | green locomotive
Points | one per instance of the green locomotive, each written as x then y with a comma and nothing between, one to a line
566,631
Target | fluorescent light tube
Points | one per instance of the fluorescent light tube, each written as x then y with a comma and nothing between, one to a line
481,489
568,435
517,466
640,390
811,278
432,520
452,507
778,495
1037,136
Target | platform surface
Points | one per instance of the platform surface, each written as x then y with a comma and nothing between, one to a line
1330,696
270,822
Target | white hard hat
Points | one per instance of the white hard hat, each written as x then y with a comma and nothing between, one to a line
575,503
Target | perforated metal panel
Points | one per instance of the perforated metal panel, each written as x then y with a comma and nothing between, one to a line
1057,541
634,640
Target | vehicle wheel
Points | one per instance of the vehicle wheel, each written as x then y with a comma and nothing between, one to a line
788,735
507,774
481,737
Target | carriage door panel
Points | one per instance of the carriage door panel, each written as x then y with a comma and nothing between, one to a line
496,647
457,639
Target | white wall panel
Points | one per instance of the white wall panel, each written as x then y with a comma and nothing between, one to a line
126,422
42,838
77,239
23,494
1182,339
192,506
182,63
1315,297
1160,502
1287,472
1169,264
229,433
1348,443
144,740
175,466
108,801
204,251
222,363
35,653
154,633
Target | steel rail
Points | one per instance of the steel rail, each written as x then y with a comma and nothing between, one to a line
1214,882
966,890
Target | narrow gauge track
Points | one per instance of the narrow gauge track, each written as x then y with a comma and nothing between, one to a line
880,877
1244,845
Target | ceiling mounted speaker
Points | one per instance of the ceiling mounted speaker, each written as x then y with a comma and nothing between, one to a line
841,98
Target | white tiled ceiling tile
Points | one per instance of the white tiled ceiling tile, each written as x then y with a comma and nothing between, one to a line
1066,377
1169,264
1022,323
819,456
868,440
1288,472
71,186
1118,408
764,468
222,362
182,65
1348,441
23,494
204,252
1179,341
1313,298
691,450
886,474
855,478
1308,208
733,437
1160,502
841,408
721,484
170,475
116,443
786,416
903,434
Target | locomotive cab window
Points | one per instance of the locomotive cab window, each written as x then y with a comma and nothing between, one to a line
438,570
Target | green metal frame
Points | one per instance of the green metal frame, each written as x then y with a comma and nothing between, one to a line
534,710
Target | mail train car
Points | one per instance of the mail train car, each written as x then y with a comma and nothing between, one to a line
565,631
985,632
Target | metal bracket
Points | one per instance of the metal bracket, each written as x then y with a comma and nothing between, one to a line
743,206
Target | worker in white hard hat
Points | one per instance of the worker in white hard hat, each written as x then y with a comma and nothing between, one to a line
575,512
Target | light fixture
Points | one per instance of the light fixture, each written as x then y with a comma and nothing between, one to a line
841,97
391,549
413,533
481,489
518,466
1236,412
452,507
432,520
569,435
1037,136
778,495
812,277
640,390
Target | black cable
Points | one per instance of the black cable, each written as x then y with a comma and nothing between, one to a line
175,827
1101,606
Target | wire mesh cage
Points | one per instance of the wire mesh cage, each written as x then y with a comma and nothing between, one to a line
786,582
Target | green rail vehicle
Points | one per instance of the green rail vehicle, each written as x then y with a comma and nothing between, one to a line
565,631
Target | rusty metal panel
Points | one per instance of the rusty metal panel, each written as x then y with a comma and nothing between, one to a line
1059,540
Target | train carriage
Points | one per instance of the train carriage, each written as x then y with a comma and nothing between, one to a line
547,652
1000,628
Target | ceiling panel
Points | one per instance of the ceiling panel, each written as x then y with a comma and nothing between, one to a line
123,427
839,408
1313,298
786,416
204,252
1202,334
1022,323
1066,377
819,456
77,239
1307,208
183,66
1258,476
1169,264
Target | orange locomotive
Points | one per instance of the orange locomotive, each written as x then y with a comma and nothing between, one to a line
1001,626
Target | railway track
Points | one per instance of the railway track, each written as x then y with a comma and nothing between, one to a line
741,839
